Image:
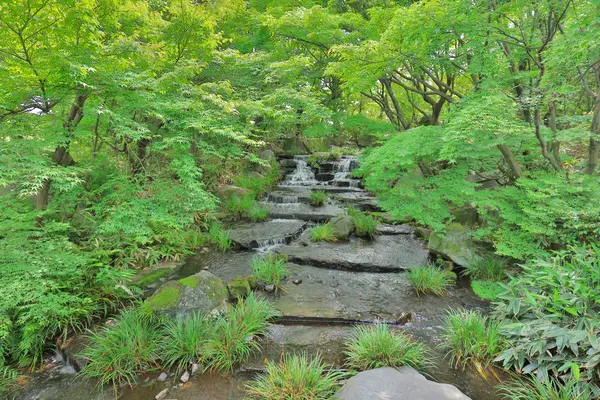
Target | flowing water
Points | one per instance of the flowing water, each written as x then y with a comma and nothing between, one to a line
337,285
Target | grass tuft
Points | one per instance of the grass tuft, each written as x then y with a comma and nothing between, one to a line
296,377
318,198
430,279
471,338
379,346
323,233
365,225
258,214
219,237
270,269
490,269
487,290
552,389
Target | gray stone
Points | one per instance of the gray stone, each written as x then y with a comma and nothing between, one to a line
162,377
343,226
252,236
226,192
457,245
392,384
269,288
162,394
303,211
194,369
239,287
185,377
386,229
202,292
297,281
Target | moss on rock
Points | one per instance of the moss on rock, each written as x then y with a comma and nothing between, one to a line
150,277
239,287
168,296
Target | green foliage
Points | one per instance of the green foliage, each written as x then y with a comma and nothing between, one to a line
365,225
185,342
318,198
490,269
553,389
234,337
550,315
258,214
270,269
487,290
429,279
116,354
471,339
219,237
7,378
324,233
240,206
379,346
295,377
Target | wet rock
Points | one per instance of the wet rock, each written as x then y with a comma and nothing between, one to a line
297,281
162,394
334,284
269,288
392,384
422,232
239,287
194,369
226,192
386,229
457,245
303,211
185,377
404,318
343,226
162,377
387,253
202,292
252,236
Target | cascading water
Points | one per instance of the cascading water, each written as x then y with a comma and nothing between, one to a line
303,175
342,171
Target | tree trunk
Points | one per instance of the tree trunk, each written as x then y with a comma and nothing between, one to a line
555,145
594,145
512,162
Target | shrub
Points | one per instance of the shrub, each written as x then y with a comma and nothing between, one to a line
378,346
270,269
318,198
552,389
365,225
471,339
219,237
324,233
296,377
258,214
185,341
117,353
429,279
234,338
491,269
487,290
7,378
550,316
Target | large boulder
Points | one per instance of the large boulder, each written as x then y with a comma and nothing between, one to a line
458,245
392,384
202,293
226,192
343,226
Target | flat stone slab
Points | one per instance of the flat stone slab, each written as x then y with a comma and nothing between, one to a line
333,296
387,229
304,212
386,253
392,384
277,231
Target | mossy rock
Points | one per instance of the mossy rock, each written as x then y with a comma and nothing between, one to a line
457,244
343,226
201,293
150,277
239,287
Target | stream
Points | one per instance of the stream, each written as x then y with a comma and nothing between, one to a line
337,285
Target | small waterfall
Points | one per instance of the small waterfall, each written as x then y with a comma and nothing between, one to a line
342,171
302,175
267,245
282,199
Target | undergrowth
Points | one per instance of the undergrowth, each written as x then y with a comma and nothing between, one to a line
430,279
323,233
271,269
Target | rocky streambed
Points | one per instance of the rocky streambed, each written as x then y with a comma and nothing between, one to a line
330,288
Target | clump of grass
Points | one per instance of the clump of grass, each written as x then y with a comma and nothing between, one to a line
258,214
240,206
234,338
219,237
8,377
116,354
487,290
429,279
318,198
323,233
270,269
378,346
365,225
471,339
552,389
185,342
296,377
490,269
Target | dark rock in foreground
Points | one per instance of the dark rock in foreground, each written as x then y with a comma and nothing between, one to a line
392,384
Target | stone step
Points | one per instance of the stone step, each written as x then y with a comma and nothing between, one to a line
302,211
256,235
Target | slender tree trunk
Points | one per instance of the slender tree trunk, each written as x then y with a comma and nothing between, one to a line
555,145
537,119
512,162
594,144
